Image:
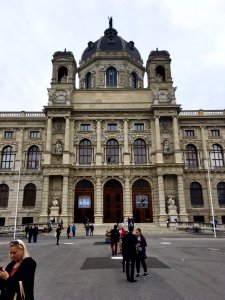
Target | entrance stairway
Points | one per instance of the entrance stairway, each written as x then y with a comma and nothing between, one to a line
100,229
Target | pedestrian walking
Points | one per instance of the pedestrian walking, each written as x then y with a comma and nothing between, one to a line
58,232
91,229
61,223
18,277
87,228
68,232
74,230
129,253
141,253
26,231
35,233
30,234
115,236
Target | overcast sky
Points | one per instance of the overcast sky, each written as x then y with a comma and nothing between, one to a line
192,31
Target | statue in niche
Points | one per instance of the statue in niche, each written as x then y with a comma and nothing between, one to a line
166,146
64,79
55,201
159,77
58,147
171,201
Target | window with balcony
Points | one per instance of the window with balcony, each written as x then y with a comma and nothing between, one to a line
7,157
221,193
196,194
85,152
216,156
191,156
112,152
33,158
140,155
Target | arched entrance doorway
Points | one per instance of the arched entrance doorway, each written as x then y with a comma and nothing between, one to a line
142,201
113,202
84,201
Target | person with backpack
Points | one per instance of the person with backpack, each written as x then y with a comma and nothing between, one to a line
115,236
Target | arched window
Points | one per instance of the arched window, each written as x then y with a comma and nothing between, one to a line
62,74
111,77
33,157
85,152
7,157
217,156
112,151
4,195
88,81
160,73
196,194
134,80
29,195
140,151
191,156
221,193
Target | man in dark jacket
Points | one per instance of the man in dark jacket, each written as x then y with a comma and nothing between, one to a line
129,253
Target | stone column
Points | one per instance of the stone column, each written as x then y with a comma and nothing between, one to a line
126,154
177,152
181,199
204,149
19,158
65,196
159,157
49,135
127,201
67,134
45,195
66,154
162,206
99,142
98,213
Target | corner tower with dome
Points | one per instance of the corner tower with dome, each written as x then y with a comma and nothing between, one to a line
112,148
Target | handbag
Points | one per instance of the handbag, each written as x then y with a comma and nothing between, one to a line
138,248
22,293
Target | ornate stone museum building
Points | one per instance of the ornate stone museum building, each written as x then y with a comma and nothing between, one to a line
112,148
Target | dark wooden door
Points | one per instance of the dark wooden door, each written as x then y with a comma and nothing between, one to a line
142,207
113,205
84,206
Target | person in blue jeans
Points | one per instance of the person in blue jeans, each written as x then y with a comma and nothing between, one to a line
74,230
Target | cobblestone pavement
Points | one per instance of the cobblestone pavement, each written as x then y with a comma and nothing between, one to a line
185,267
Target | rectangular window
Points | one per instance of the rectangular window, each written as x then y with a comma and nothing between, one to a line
27,220
35,134
9,134
139,126
84,201
215,132
85,127
189,133
112,127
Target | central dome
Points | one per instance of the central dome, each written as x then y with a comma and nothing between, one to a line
111,42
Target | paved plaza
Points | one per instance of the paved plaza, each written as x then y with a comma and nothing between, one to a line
181,267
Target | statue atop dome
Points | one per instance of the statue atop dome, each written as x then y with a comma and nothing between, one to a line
110,22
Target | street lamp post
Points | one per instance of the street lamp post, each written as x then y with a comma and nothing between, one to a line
17,198
210,196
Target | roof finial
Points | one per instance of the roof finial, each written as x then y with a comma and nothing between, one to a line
110,22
